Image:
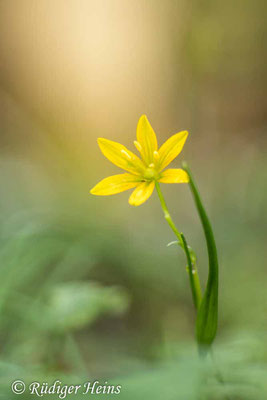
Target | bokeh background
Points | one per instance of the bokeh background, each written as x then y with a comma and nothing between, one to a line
88,288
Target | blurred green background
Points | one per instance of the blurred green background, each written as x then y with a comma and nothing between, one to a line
88,288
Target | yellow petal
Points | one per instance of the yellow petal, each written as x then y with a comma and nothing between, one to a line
174,176
141,193
115,184
171,148
120,156
147,139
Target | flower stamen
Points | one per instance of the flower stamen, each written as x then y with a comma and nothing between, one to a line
156,155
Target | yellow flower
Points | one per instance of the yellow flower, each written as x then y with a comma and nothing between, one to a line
145,171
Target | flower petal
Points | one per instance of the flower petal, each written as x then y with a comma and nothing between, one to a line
147,139
174,176
171,148
115,184
120,156
141,193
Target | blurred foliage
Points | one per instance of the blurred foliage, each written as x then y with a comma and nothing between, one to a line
81,300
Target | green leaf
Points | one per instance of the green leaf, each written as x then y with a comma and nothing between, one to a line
73,305
207,316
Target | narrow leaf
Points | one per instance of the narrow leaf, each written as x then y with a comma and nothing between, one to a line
207,316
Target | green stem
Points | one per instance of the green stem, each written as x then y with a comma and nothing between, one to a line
168,216
193,274
207,318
